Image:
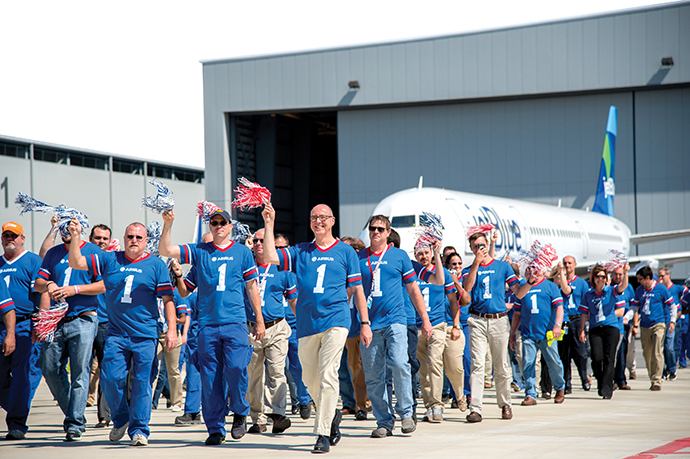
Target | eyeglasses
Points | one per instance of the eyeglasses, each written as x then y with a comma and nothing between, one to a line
258,240
135,236
377,229
218,222
320,218
10,235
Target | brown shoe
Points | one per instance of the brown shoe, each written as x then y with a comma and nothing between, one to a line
633,375
528,401
624,387
474,417
560,396
655,387
506,412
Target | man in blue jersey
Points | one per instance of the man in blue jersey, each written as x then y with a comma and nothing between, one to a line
74,334
571,348
18,269
327,273
223,267
670,351
625,325
134,280
655,312
7,335
384,269
267,381
485,279
542,311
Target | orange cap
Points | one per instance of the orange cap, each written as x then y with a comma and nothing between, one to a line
13,227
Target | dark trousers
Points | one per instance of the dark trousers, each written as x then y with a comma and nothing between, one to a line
98,349
604,341
412,341
619,374
572,349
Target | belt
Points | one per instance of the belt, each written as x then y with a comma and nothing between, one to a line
574,317
23,318
67,320
490,316
268,324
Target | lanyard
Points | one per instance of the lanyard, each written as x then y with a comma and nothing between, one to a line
378,265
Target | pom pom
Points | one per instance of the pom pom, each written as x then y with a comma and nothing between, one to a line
47,320
486,228
65,215
431,231
240,232
28,204
205,209
153,234
617,259
162,201
114,246
250,195
539,258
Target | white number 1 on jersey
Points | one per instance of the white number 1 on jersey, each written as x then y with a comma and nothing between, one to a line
221,278
126,297
319,280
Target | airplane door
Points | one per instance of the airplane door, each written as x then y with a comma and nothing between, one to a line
585,240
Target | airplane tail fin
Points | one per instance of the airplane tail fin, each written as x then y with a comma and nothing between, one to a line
606,188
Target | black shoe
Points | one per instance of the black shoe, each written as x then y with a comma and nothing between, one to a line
257,428
322,445
346,410
568,391
454,404
335,428
295,408
73,435
101,424
361,415
445,398
280,424
586,385
215,439
239,426
168,403
188,419
305,411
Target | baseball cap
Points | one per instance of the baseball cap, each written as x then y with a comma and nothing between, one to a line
222,213
13,227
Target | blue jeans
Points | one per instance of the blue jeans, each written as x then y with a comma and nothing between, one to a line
15,377
670,364
553,361
683,340
298,391
125,355
388,349
74,342
223,354
467,361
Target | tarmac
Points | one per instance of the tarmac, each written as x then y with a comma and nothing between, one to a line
637,423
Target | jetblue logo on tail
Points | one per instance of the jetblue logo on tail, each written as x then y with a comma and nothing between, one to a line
606,187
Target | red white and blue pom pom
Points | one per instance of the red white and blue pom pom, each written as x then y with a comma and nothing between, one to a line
162,201
114,246
28,204
485,228
47,321
153,235
240,232
431,231
617,259
539,258
205,210
250,195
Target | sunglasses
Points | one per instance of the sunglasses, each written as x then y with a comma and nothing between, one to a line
9,235
258,240
218,222
377,229
602,276
457,263
135,236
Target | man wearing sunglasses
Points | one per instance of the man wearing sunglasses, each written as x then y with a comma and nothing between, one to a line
327,274
134,280
222,267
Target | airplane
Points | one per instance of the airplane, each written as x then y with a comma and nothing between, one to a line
588,236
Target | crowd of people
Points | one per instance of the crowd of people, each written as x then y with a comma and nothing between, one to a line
242,327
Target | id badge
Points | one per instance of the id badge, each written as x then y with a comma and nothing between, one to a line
369,302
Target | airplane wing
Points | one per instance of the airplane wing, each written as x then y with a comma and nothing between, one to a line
655,237
659,260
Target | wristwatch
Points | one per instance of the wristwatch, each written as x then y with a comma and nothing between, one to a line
365,322
457,327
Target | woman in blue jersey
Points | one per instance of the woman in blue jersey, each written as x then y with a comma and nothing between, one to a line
602,307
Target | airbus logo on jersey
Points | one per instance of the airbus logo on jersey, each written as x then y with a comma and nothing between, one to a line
377,263
489,271
322,259
509,234
136,270
8,270
221,258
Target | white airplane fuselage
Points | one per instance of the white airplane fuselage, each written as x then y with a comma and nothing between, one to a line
587,236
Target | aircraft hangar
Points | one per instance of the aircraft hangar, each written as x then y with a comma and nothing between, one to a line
518,112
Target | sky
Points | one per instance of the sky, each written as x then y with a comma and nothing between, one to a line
125,78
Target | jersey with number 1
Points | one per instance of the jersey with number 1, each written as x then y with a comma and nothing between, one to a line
653,304
601,306
274,286
435,298
538,309
56,268
220,276
132,289
19,275
572,302
488,293
323,276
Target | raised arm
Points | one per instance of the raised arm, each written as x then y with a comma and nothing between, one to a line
49,241
270,253
438,277
561,280
165,246
624,283
76,259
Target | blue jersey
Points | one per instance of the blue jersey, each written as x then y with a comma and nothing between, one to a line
192,310
571,303
435,298
653,304
677,292
382,277
55,267
220,276
323,276
101,309
602,306
488,293
132,289
627,296
19,276
510,299
6,303
181,307
539,314
273,285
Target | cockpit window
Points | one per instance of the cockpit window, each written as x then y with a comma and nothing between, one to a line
405,221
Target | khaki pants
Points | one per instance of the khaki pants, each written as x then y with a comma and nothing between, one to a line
630,356
172,364
489,335
320,356
267,389
452,361
354,361
430,356
653,350
93,382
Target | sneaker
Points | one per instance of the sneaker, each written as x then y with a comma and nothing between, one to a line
73,435
381,432
176,408
428,415
239,426
215,439
462,404
474,417
188,419
257,428
15,434
116,434
305,411
437,414
361,415
672,377
408,425
335,436
280,424
140,440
